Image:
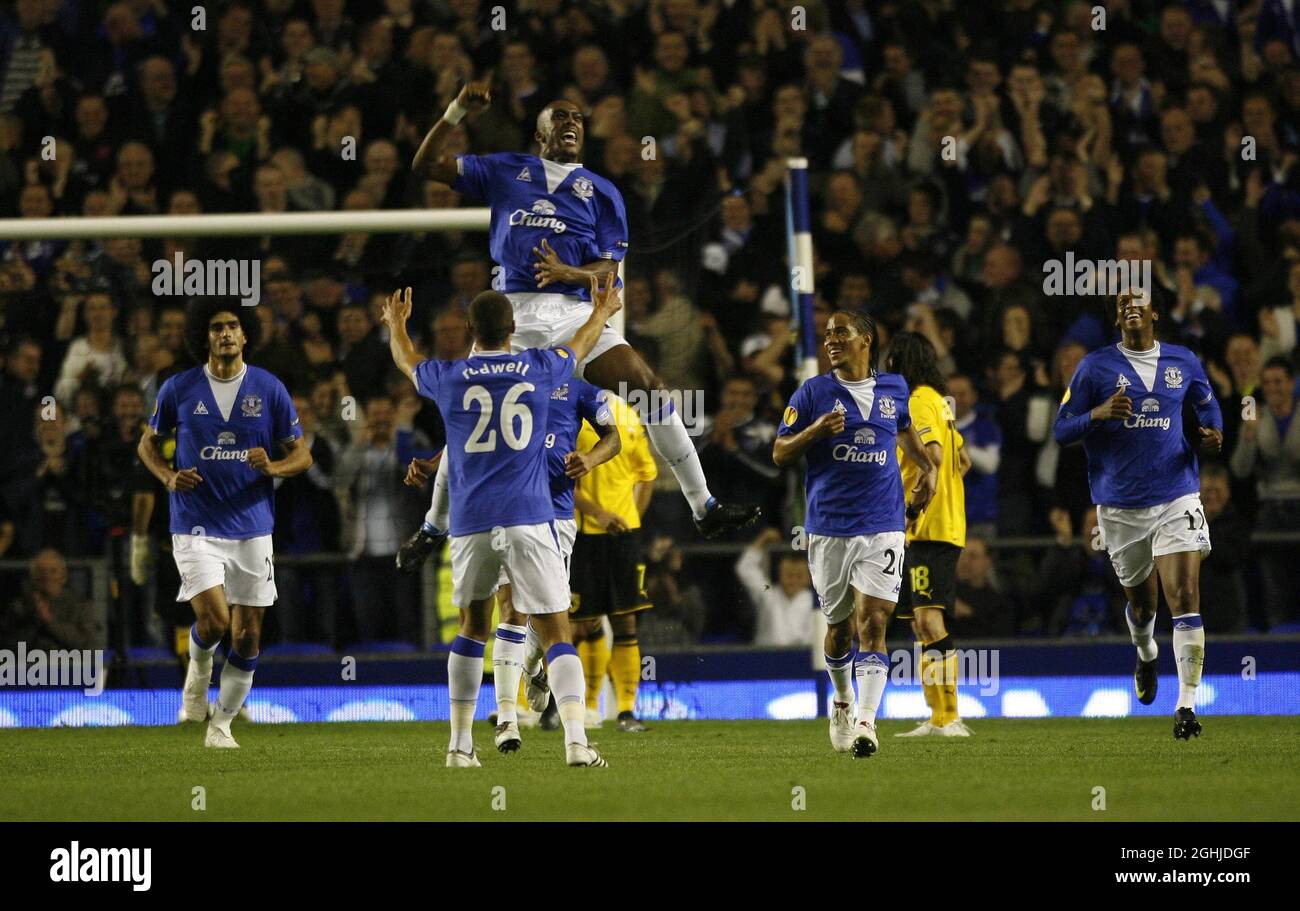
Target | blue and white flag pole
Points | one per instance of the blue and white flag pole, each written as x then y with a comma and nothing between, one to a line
798,229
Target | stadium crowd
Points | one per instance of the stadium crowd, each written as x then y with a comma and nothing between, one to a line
955,148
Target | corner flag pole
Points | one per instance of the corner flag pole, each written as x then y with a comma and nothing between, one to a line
798,229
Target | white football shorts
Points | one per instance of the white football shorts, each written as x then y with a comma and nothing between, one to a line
544,320
567,530
1135,537
531,558
245,568
872,564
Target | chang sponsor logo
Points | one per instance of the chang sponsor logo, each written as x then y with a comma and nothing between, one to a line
542,216
219,453
845,452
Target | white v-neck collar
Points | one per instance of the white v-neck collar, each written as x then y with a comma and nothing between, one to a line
556,172
1144,363
225,391
863,392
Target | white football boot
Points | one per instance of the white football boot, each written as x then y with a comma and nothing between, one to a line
194,695
537,690
865,741
954,729
219,739
924,729
458,760
507,737
843,716
580,754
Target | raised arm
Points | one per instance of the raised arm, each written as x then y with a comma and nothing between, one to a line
397,310
430,162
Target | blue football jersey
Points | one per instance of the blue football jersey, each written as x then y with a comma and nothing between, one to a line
496,408
853,484
234,500
1144,460
577,210
571,404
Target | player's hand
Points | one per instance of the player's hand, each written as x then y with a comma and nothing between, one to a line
605,295
420,471
577,464
828,425
610,523
475,96
184,480
397,309
549,267
258,460
141,559
1211,440
922,493
1118,406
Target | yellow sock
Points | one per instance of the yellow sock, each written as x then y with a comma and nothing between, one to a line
595,662
625,669
522,698
948,687
183,641
929,683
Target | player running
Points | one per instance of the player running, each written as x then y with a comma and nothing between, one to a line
228,417
502,514
548,212
518,648
846,422
1143,475
936,536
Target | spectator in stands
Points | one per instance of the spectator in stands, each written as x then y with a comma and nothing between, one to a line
981,610
1268,449
1076,582
97,357
735,447
377,507
785,610
49,615
361,353
983,439
1222,582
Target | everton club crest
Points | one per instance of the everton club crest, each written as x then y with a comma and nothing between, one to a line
582,188
1173,377
251,406
887,407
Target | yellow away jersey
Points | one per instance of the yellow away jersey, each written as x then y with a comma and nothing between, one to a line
945,518
611,485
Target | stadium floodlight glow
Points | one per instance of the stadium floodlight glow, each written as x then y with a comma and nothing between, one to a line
246,224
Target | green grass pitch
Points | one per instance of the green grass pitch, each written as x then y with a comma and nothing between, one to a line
1241,768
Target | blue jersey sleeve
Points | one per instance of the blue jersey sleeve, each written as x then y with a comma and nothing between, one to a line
284,417
1201,395
559,363
163,419
611,226
475,176
593,406
904,411
1074,417
798,413
428,377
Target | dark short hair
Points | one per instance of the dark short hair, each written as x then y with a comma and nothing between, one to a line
491,317
198,317
865,323
912,356
1279,362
